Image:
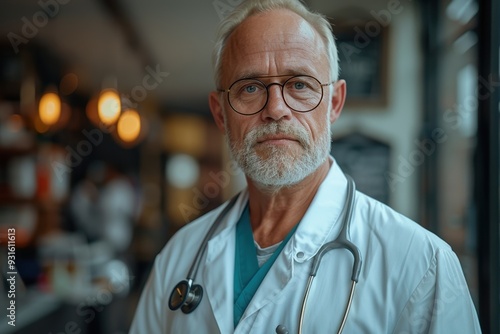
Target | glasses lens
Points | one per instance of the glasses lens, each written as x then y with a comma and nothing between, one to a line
247,96
302,93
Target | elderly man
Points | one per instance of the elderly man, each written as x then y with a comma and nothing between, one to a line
246,267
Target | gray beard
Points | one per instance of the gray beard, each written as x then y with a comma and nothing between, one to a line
280,168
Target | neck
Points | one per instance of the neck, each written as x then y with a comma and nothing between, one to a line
275,211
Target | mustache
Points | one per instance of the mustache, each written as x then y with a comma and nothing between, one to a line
279,128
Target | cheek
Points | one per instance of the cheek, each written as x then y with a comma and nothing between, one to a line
236,129
317,125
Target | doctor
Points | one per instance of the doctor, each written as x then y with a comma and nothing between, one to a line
277,95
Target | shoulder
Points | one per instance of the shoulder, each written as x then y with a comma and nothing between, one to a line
402,259
182,248
189,237
390,240
194,230
388,226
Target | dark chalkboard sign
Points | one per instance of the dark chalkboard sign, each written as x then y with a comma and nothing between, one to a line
362,50
366,160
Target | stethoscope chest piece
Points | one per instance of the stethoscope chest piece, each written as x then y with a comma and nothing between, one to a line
185,296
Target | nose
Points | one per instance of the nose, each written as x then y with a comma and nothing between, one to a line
276,108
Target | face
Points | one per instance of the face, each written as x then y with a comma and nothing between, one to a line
278,146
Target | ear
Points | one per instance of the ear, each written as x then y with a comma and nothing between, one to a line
338,99
217,110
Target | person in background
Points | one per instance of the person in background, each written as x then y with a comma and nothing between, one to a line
104,207
278,93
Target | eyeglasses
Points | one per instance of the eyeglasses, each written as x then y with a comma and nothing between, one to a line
249,96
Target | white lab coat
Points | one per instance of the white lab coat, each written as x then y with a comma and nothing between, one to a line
410,281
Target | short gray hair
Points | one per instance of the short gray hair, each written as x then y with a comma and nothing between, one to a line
250,7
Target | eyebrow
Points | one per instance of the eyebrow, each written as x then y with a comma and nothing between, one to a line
259,75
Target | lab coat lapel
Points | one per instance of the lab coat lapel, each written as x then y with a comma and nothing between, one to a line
276,280
218,269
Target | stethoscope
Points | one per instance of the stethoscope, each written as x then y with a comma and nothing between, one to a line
187,296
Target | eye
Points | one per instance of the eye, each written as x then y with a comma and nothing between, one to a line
302,85
250,88
299,85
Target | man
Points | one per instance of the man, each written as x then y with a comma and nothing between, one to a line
278,93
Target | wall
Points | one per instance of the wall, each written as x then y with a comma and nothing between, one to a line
399,122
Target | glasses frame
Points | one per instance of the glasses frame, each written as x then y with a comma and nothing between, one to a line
282,85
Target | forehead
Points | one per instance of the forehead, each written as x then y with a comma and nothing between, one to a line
272,43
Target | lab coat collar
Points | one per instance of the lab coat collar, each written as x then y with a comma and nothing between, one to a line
322,220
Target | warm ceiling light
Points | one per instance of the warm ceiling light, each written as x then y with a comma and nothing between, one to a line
40,126
129,126
49,108
109,106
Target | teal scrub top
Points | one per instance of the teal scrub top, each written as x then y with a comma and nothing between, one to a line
247,273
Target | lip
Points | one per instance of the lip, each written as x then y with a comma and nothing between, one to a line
275,139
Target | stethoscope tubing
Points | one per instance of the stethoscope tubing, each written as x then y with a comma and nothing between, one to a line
340,242
196,264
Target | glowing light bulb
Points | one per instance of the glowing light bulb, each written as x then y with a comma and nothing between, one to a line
49,108
109,106
129,125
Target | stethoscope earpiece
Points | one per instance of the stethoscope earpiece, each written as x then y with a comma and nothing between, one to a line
185,297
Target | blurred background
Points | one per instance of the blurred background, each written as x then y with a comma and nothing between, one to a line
107,146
